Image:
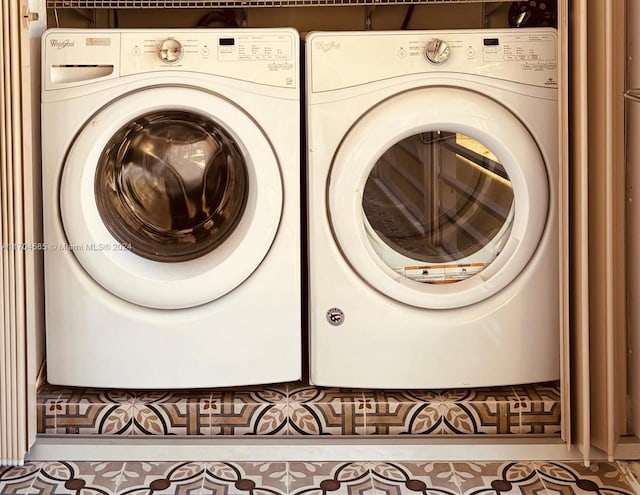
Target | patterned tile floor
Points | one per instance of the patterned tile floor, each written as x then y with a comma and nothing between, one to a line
314,478
300,409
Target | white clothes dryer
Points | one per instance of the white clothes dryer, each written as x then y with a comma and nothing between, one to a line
171,187
433,208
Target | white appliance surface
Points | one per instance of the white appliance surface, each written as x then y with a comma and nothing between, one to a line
433,208
171,189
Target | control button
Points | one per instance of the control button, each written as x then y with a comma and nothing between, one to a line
437,51
170,51
136,51
402,53
471,52
205,51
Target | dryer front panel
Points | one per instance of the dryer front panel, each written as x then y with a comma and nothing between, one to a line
447,196
170,197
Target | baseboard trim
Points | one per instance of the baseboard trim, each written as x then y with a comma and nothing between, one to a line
303,449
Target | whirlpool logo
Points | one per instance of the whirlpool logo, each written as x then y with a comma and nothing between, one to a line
62,44
327,46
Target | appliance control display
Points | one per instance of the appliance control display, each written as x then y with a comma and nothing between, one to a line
518,48
245,48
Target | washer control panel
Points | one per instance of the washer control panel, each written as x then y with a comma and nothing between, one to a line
248,54
261,56
191,51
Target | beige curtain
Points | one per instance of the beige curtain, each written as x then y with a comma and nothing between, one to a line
633,188
598,271
19,311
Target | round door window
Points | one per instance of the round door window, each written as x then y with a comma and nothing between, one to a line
438,197
438,207
171,185
170,205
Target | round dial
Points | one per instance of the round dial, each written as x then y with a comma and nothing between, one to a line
170,51
437,51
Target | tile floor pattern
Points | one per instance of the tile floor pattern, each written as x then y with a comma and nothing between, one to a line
313,478
300,409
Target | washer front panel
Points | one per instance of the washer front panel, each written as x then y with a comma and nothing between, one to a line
160,284
494,262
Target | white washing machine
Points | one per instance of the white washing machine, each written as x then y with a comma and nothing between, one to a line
171,179
433,208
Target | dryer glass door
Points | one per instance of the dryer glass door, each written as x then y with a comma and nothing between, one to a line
438,197
171,197
438,207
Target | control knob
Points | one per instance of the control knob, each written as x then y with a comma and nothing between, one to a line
170,51
437,51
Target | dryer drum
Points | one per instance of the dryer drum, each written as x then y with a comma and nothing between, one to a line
439,197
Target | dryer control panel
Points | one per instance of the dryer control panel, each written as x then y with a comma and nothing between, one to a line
527,56
261,56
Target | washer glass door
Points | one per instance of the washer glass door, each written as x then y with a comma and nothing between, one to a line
438,197
170,197
171,185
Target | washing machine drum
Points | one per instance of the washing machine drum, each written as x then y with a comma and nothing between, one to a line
170,206
171,186
448,197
